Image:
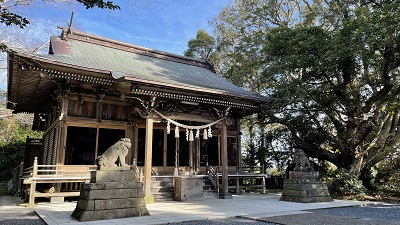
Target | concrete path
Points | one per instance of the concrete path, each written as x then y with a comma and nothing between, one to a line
251,206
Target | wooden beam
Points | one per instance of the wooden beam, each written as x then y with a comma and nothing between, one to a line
148,158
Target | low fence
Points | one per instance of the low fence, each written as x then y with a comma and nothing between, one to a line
55,180
239,178
58,181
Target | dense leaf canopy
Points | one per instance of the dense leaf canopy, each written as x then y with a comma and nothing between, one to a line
332,68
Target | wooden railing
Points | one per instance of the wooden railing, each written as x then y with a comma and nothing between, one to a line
239,175
212,173
138,173
70,175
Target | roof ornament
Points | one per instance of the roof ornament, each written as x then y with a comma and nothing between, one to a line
70,22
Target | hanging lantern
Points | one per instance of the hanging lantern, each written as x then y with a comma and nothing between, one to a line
191,136
187,134
168,127
197,134
177,132
205,134
209,132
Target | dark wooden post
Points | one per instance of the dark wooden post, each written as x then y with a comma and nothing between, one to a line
224,194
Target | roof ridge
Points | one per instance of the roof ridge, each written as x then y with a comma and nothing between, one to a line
98,40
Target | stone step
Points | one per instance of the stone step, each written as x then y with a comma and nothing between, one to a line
162,178
162,190
207,182
210,194
208,188
162,184
163,196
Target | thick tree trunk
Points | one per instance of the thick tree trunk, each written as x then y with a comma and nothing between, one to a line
356,166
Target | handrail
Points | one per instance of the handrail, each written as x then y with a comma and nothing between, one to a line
56,170
136,172
213,176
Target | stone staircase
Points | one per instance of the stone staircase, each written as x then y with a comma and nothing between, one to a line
209,191
162,188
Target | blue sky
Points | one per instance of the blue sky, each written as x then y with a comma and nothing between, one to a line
165,25
157,24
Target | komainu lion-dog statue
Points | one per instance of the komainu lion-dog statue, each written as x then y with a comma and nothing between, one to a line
301,161
114,156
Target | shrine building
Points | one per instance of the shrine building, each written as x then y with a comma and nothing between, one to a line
90,91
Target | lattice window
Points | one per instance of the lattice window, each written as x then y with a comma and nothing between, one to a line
55,146
51,145
45,148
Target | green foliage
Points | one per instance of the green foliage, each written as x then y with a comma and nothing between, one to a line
10,18
201,47
265,146
99,4
332,68
13,133
388,173
345,183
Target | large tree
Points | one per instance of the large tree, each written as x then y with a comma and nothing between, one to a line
201,47
332,68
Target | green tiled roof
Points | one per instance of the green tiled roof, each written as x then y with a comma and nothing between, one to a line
122,63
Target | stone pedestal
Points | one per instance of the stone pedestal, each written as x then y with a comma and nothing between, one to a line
305,187
110,195
188,188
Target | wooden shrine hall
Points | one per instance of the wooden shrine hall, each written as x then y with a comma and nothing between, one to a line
89,91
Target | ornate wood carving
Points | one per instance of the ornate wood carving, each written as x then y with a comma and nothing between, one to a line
174,109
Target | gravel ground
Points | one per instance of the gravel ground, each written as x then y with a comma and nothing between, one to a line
20,217
228,221
388,214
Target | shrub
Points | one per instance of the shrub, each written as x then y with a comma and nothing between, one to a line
343,182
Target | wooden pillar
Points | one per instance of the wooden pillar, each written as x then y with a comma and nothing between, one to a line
176,169
135,141
239,148
62,134
197,156
191,158
224,194
165,152
147,161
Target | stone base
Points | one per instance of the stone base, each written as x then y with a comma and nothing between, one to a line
303,175
225,195
305,191
56,199
108,214
110,200
112,176
188,188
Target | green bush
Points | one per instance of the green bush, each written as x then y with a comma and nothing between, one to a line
388,174
345,183
13,133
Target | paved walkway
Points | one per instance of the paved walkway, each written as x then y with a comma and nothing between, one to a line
252,206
